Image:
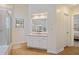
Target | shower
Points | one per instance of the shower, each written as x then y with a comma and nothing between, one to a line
5,29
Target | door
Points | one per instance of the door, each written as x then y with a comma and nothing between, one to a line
66,29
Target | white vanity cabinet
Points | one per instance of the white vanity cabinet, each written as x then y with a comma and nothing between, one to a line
36,41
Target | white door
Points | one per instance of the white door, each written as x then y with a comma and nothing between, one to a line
66,29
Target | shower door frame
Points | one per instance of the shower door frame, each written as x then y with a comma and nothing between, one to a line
10,15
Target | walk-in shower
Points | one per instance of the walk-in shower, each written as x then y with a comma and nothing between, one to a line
5,30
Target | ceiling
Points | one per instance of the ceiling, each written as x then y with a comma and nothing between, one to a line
70,6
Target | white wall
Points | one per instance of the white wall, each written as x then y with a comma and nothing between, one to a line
8,6
75,10
58,32
55,38
18,34
66,21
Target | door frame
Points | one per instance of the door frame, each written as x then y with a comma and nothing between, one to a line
66,38
71,40
72,28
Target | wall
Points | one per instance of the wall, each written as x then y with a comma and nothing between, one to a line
56,31
8,6
75,10
66,23
18,34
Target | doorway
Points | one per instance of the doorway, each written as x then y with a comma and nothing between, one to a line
76,29
67,29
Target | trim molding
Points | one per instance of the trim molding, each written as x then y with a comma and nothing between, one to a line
17,44
8,51
56,52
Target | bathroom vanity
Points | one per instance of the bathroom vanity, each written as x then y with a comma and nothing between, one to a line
37,41
39,31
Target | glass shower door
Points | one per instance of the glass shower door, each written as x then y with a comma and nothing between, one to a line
5,30
8,28
1,30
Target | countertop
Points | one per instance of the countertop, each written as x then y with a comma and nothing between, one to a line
38,34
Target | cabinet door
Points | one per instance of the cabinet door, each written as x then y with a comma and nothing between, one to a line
38,42
35,42
43,42
29,41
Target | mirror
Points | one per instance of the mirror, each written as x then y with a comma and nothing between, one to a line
39,22
19,23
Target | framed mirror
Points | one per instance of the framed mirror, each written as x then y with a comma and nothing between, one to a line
19,23
39,22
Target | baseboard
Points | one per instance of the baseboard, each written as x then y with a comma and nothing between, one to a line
55,52
14,43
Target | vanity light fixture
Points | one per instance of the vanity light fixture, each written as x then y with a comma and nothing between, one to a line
39,16
35,17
